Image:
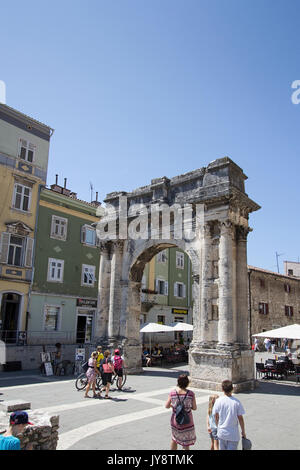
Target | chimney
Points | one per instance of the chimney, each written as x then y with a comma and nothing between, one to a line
56,180
65,185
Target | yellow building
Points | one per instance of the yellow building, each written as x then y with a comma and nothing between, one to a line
24,152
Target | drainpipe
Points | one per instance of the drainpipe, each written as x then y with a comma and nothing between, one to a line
250,304
33,253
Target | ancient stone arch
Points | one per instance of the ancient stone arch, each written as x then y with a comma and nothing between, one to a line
218,213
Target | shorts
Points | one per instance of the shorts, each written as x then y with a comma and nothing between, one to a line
119,372
213,434
106,378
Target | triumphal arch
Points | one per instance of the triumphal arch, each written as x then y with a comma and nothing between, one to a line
205,213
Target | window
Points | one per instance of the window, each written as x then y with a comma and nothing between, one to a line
51,318
179,289
27,151
179,260
263,308
88,275
59,228
161,319
290,272
162,256
262,283
287,288
15,251
161,287
289,311
55,270
22,197
88,235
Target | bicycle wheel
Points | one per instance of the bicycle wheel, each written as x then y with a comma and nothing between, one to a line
81,382
98,382
124,378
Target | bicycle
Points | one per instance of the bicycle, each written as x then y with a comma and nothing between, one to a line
82,381
115,379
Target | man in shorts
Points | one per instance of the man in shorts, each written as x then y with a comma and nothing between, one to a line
99,357
228,412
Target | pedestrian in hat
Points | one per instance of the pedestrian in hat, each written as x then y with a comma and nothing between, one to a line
17,423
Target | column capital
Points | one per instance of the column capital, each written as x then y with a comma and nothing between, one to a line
242,233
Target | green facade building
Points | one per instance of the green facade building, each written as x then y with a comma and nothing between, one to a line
63,300
167,292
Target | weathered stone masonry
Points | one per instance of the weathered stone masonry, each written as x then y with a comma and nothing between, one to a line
220,348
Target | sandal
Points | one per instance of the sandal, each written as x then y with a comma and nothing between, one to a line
107,397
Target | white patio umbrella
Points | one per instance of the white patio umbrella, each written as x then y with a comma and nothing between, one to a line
289,332
154,328
180,326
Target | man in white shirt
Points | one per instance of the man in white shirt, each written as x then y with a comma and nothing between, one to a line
228,412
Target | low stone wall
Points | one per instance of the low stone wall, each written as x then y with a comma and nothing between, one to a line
43,434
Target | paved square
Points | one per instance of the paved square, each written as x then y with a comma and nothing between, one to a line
135,419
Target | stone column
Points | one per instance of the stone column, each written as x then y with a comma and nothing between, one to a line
206,284
132,344
114,312
242,287
226,317
103,291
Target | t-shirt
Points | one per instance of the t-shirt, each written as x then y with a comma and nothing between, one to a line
99,359
228,408
9,443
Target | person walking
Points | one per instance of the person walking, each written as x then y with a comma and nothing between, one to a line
91,374
228,412
182,434
118,363
211,423
17,423
267,344
107,369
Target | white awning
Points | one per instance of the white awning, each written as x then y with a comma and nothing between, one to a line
155,328
181,326
289,332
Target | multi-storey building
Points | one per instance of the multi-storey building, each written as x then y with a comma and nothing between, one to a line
274,300
24,151
167,291
63,302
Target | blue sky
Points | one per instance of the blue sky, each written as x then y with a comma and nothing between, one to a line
137,89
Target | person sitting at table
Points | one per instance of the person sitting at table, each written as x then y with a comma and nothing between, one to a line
146,357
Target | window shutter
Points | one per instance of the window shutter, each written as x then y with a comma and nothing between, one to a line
4,247
183,290
175,290
29,252
156,285
166,287
83,234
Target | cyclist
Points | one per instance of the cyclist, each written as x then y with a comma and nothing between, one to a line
118,362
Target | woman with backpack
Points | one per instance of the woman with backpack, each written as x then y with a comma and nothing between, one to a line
107,369
118,362
182,401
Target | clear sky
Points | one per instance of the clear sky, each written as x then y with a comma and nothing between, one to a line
137,89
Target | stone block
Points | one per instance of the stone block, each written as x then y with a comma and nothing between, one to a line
14,405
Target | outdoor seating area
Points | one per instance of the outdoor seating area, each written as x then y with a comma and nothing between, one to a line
280,368
164,356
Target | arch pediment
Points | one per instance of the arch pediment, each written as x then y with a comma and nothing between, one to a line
18,228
